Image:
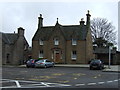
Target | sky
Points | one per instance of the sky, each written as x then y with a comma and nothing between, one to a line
25,14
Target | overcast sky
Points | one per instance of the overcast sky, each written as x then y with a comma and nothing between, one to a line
25,14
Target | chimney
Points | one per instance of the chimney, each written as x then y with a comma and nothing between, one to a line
21,31
82,21
40,21
88,18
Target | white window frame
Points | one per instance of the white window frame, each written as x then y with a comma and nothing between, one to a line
74,55
41,42
74,41
56,41
41,54
52,57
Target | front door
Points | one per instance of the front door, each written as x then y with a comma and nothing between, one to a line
57,56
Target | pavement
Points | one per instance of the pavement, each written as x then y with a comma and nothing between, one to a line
112,68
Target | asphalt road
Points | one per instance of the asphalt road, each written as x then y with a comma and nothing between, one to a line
61,77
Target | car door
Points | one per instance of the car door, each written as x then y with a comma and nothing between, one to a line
49,62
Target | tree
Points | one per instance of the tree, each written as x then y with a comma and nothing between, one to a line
103,32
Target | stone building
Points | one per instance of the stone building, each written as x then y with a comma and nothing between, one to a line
14,47
103,54
70,44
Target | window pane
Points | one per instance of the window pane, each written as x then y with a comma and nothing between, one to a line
56,41
41,42
74,55
41,54
74,42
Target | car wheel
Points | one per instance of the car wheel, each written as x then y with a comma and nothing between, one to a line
53,65
27,66
90,68
33,66
45,66
100,68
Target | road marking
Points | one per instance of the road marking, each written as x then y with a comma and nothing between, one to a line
46,84
109,81
17,83
91,83
82,84
101,82
115,80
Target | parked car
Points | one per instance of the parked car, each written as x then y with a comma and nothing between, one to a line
96,64
44,63
31,63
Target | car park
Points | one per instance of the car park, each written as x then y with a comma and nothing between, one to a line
31,63
96,64
44,63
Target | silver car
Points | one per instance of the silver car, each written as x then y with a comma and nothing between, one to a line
44,63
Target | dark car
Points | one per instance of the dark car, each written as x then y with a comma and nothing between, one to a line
44,63
96,64
31,63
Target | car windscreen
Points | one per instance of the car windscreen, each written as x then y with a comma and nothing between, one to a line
40,61
95,61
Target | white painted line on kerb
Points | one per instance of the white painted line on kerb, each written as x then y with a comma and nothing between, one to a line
91,83
17,83
101,82
79,84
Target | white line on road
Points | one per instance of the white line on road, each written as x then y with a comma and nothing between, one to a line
45,84
109,81
101,82
91,83
115,80
80,84
17,83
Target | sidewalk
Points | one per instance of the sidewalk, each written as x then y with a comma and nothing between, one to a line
113,68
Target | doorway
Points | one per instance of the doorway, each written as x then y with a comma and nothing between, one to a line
57,56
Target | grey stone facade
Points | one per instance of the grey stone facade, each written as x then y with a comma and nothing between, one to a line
14,48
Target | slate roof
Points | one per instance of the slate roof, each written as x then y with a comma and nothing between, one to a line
68,31
9,38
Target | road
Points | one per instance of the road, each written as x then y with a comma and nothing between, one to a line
61,77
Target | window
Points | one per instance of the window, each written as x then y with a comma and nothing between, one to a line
41,42
56,41
41,54
74,42
74,55
52,56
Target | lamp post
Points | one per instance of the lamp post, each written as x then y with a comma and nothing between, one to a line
109,57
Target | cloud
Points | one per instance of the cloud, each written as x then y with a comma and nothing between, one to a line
25,14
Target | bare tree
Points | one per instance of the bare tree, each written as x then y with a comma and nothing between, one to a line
103,31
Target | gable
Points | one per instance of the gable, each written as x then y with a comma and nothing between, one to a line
67,31
9,38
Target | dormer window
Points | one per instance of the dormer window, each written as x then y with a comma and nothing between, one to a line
56,41
74,41
41,41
